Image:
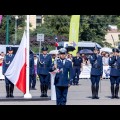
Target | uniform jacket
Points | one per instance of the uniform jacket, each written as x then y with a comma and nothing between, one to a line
115,66
7,61
65,74
32,70
96,65
44,64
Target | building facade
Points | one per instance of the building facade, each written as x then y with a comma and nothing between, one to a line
113,37
36,20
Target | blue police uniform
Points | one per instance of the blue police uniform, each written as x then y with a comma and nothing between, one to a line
32,71
114,62
77,61
43,69
6,62
62,80
96,73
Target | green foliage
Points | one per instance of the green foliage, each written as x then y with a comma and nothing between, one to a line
92,28
20,28
54,25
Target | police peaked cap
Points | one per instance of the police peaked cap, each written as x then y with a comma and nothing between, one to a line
10,49
44,49
96,48
62,51
115,50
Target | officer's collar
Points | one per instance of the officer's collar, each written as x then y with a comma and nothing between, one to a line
62,59
10,54
45,54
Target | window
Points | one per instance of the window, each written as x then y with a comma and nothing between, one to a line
38,21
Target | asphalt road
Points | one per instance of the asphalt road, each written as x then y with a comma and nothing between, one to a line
77,95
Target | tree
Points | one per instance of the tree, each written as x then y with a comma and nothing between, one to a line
54,25
94,27
20,26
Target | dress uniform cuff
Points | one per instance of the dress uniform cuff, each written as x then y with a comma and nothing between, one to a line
53,68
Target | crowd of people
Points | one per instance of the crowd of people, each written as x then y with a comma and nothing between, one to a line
68,69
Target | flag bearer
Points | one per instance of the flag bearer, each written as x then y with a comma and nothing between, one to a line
6,62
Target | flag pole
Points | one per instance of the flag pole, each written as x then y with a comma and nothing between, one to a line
27,94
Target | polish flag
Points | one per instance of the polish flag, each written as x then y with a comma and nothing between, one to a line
16,72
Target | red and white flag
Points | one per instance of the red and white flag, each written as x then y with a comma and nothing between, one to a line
16,72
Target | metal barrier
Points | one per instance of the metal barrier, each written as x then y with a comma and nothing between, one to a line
85,73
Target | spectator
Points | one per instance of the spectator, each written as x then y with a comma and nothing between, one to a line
105,59
85,59
2,54
1,60
69,56
102,53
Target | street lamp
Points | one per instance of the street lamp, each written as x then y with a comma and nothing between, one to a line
16,18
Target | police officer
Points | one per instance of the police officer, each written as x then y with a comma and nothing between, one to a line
6,62
32,71
62,82
43,69
96,72
114,62
77,65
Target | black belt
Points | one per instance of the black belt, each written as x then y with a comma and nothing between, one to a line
97,67
76,66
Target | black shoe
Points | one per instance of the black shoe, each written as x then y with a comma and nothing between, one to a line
42,95
93,97
45,95
7,96
112,97
96,97
33,88
116,97
11,96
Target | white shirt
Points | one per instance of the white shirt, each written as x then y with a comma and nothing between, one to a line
105,60
35,61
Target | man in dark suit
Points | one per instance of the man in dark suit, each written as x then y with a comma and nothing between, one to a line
43,69
96,72
62,82
114,62
6,62
77,65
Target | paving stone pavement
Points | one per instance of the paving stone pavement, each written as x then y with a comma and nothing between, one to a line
77,95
